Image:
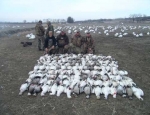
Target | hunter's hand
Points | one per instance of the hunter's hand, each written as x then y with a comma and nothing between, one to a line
52,47
46,49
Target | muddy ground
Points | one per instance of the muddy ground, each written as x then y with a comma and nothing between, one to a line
133,55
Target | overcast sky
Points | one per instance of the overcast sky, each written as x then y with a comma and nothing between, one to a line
19,10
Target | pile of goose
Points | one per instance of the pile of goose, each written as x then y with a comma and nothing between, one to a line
82,73
30,36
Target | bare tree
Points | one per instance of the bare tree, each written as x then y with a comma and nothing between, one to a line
132,16
139,17
135,17
70,20
144,17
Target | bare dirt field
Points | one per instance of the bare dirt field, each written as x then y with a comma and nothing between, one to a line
133,55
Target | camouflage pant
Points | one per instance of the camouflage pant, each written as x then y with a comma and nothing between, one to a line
74,49
62,50
88,49
41,41
53,51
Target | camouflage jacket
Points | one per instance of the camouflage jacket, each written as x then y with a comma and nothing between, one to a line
50,28
89,42
62,40
39,29
77,40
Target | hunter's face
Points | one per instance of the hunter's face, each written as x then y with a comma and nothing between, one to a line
88,35
50,33
78,33
62,33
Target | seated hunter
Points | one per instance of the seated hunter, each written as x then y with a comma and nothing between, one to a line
88,44
62,43
50,43
76,43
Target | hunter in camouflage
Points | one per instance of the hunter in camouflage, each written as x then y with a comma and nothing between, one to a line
39,30
76,43
49,28
88,45
62,43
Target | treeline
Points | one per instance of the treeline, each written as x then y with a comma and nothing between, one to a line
139,17
132,18
70,20
95,20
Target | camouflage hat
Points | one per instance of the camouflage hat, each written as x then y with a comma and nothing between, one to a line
40,21
87,32
62,30
78,30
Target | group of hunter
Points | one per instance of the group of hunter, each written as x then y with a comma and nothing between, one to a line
62,44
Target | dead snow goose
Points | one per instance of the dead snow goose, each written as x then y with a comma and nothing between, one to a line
60,90
97,88
23,88
37,89
106,91
54,89
113,91
129,92
137,92
45,88
87,90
